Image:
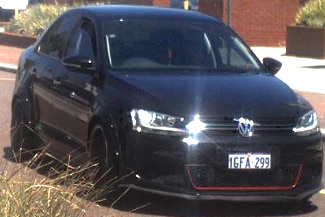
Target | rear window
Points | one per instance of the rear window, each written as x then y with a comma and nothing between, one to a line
134,44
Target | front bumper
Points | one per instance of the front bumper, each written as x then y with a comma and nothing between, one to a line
293,196
167,166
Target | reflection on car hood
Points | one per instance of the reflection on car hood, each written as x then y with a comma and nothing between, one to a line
257,96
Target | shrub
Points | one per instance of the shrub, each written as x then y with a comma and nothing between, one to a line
39,16
312,14
36,18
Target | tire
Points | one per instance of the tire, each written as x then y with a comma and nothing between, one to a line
101,152
22,137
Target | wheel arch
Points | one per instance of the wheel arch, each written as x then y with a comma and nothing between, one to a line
26,106
110,130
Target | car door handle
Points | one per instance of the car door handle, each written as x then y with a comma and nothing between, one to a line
34,73
80,99
56,82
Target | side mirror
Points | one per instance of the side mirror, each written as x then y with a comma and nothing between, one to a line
272,65
78,62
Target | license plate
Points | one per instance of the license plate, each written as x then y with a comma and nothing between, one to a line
249,161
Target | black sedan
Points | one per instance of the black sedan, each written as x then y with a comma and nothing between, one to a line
173,101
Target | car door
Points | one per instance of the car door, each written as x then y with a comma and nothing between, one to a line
74,89
47,63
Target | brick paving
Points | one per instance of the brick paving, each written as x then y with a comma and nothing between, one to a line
9,55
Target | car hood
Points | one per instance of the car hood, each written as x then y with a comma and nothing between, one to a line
249,95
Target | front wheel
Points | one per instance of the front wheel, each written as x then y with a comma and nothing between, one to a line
22,137
102,153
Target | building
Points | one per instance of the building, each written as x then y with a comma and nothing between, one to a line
164,3
259,22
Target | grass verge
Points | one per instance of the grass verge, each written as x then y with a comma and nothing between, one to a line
63,193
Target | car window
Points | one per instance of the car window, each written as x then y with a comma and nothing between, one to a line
233,53
138,43
83,41
54,40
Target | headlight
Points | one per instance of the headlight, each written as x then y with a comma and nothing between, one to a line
158,123
307,124
154,122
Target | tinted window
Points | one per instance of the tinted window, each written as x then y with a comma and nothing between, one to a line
175,44
83,41
54,41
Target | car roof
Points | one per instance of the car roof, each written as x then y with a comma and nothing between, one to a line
101,12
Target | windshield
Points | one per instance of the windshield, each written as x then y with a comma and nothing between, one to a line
139,44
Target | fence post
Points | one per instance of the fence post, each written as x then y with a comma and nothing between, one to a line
186,5
229,12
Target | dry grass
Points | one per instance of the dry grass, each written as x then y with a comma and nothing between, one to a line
63,193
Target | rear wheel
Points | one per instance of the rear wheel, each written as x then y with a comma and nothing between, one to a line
22,136
102,153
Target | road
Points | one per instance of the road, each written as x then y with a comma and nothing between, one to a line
6,84
150,205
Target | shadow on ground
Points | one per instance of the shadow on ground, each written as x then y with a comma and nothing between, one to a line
142,203
43,165
314,67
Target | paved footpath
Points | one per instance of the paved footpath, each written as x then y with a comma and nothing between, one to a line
9,55
303,74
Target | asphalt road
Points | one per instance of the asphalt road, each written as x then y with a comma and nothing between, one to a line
149,205
6,88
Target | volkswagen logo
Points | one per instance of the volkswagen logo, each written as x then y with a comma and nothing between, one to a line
245,127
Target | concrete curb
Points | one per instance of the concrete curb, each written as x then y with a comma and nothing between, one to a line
8,68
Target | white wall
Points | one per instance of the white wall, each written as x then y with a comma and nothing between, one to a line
13,4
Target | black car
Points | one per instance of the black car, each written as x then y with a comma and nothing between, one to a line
173,101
